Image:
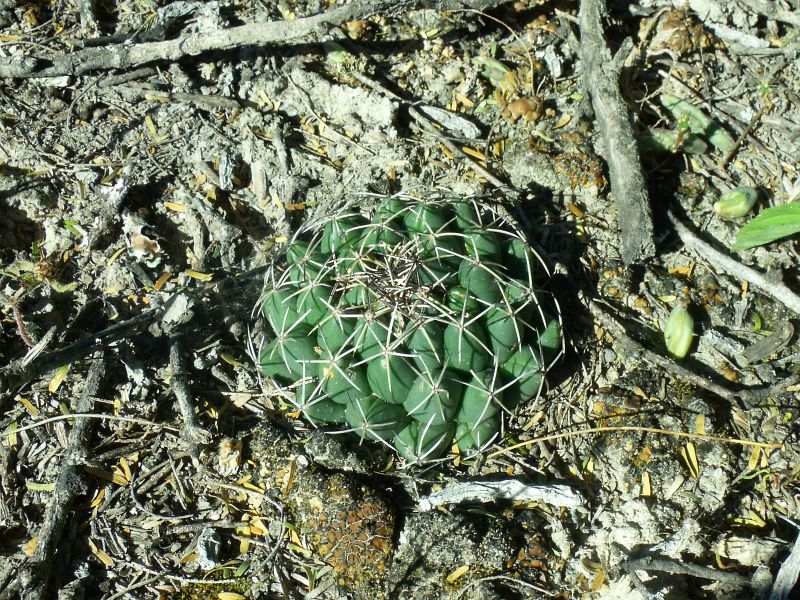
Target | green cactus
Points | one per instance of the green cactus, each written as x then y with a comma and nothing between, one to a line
419,324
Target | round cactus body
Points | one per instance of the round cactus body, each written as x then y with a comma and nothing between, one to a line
418,324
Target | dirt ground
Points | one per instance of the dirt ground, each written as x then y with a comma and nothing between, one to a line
156,155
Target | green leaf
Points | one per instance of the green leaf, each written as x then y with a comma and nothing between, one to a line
769,225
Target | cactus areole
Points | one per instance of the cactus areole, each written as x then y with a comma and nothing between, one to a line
418,324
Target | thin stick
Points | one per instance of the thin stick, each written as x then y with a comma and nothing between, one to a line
738,144
776,289
103,416
23,330
616,428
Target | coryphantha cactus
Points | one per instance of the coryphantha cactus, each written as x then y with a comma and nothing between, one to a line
417,324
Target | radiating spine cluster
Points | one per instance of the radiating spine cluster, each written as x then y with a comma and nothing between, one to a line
416,326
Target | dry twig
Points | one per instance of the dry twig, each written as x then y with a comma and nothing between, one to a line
776,289
747,397
126,55
601,76
37,575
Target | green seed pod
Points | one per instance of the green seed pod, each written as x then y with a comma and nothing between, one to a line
390,378
736,203
426,343
479,436
678,332
370,417
324,411
466,347
422,443
433,402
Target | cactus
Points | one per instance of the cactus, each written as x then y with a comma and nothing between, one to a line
418,324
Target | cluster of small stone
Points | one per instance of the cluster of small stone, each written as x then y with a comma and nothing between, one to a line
418,325
350,529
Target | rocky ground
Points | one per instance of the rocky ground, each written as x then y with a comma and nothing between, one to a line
155,156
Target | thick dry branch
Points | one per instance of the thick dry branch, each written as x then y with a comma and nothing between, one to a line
191,432
667,565
601,80
126,55
72,481
123,56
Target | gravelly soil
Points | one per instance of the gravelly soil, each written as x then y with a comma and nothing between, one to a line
140,206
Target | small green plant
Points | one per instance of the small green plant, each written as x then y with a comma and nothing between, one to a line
689,116
769,225
673,141
417,325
